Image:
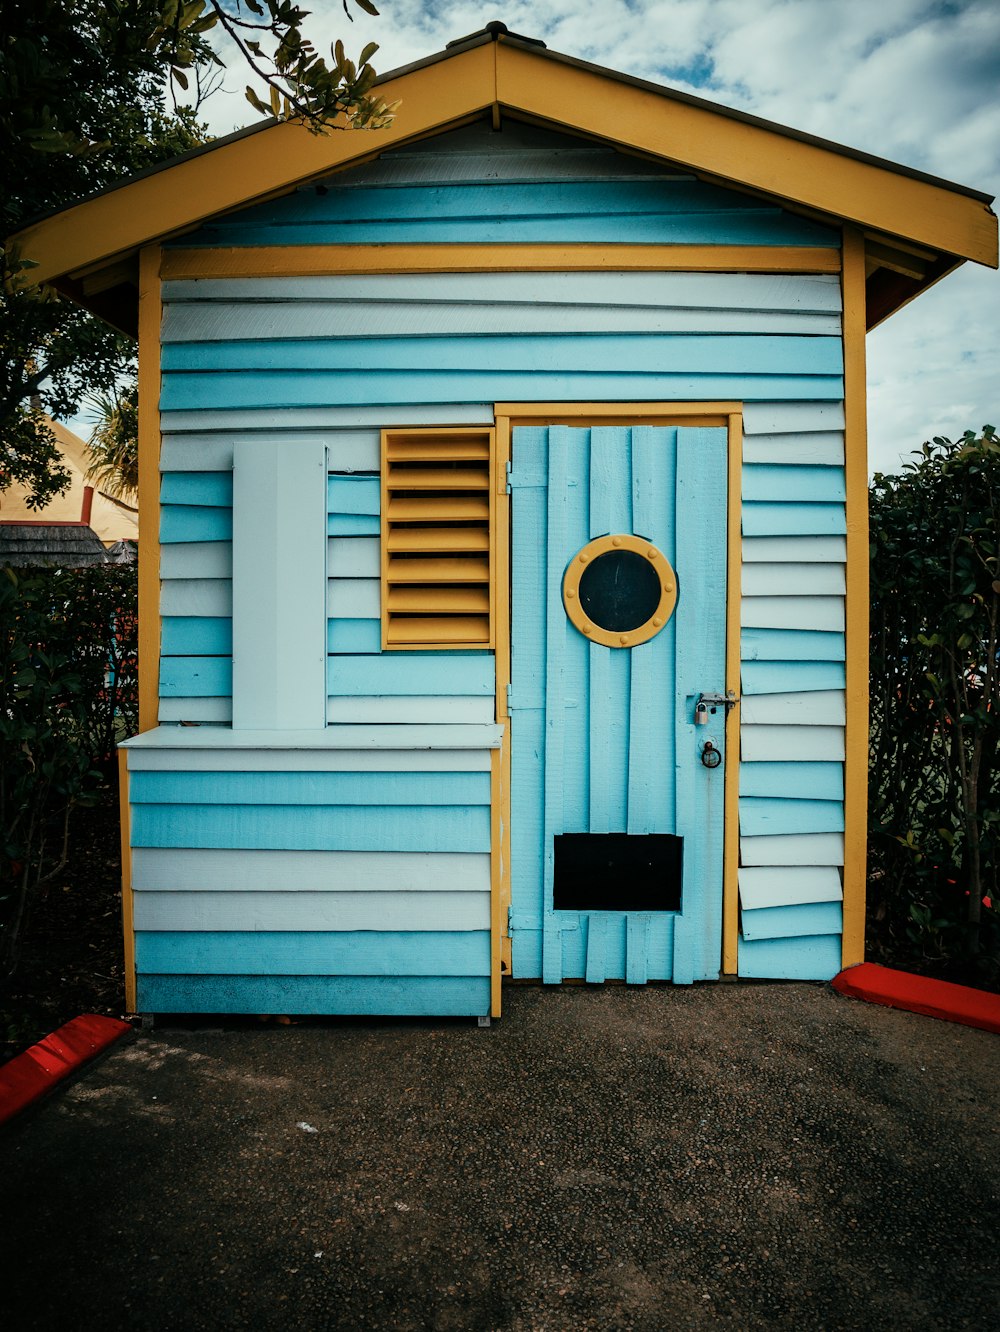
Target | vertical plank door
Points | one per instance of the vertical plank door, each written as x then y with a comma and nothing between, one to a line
603,739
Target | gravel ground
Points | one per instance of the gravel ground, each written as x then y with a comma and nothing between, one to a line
745,1155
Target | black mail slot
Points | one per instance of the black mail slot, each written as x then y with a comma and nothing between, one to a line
617,872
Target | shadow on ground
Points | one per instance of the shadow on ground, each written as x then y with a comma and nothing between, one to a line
758,1155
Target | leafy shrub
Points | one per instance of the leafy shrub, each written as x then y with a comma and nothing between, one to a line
934,804
68,692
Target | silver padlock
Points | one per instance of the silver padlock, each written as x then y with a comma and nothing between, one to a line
701,714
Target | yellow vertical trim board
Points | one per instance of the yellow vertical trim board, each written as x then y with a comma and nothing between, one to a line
128,915
731,824
500,557
856,750
505,943
497,922
500,610
149,486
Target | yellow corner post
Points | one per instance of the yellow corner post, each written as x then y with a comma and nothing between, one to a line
149,487
856,734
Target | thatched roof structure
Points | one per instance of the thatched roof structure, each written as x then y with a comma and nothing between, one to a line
59,545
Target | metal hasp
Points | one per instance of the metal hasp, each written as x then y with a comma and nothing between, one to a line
709,702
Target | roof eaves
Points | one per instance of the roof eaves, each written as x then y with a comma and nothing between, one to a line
247,131
745,118
533,45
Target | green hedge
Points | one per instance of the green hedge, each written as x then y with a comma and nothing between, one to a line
934,803
69,692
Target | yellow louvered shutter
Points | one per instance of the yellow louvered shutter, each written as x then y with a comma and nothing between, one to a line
437,510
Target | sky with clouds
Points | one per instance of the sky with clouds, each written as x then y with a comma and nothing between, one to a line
914,81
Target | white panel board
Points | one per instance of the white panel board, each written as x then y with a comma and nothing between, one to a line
312,911
347,450
308,760
826,613
279,584
793,580
821,448
803,293
195,710
787,885
324,418
354,598
353,451
419,708
409,317
793,849
818,707
196,559
783,418
172,870
795,550
764,744
197,596
353,557
366,738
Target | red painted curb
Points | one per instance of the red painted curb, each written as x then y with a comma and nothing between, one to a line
31,1075
918,994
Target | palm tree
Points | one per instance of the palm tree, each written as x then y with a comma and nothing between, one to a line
114,443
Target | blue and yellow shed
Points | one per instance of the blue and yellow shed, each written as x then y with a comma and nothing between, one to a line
503,539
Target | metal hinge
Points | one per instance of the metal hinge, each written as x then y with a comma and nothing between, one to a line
519,702
523,480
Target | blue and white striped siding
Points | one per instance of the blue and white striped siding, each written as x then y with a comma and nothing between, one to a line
671,320
522,185
196,599
329,881
338,358
792,713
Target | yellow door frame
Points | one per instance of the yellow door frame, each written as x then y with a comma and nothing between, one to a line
508,416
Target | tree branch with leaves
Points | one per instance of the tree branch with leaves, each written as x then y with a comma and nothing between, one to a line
303,87
82,105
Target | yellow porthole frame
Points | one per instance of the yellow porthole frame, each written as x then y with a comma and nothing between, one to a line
660,616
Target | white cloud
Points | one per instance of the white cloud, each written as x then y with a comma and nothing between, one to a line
910,80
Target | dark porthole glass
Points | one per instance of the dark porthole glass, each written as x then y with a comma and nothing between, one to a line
620,590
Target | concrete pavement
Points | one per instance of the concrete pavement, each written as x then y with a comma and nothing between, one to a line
751,1155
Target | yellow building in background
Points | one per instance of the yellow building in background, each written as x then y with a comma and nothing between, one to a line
81,502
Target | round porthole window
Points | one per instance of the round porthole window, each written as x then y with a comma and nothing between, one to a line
619,590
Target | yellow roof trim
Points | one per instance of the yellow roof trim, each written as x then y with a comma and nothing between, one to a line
522,80
249,168
785,167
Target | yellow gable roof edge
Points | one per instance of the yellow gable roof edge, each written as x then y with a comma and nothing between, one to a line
749,152
456,86
250,167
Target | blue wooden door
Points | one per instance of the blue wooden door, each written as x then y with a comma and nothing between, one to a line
603,740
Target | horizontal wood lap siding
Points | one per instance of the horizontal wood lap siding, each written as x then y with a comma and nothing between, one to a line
791,804
673,324
312,883
665,210
336,359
